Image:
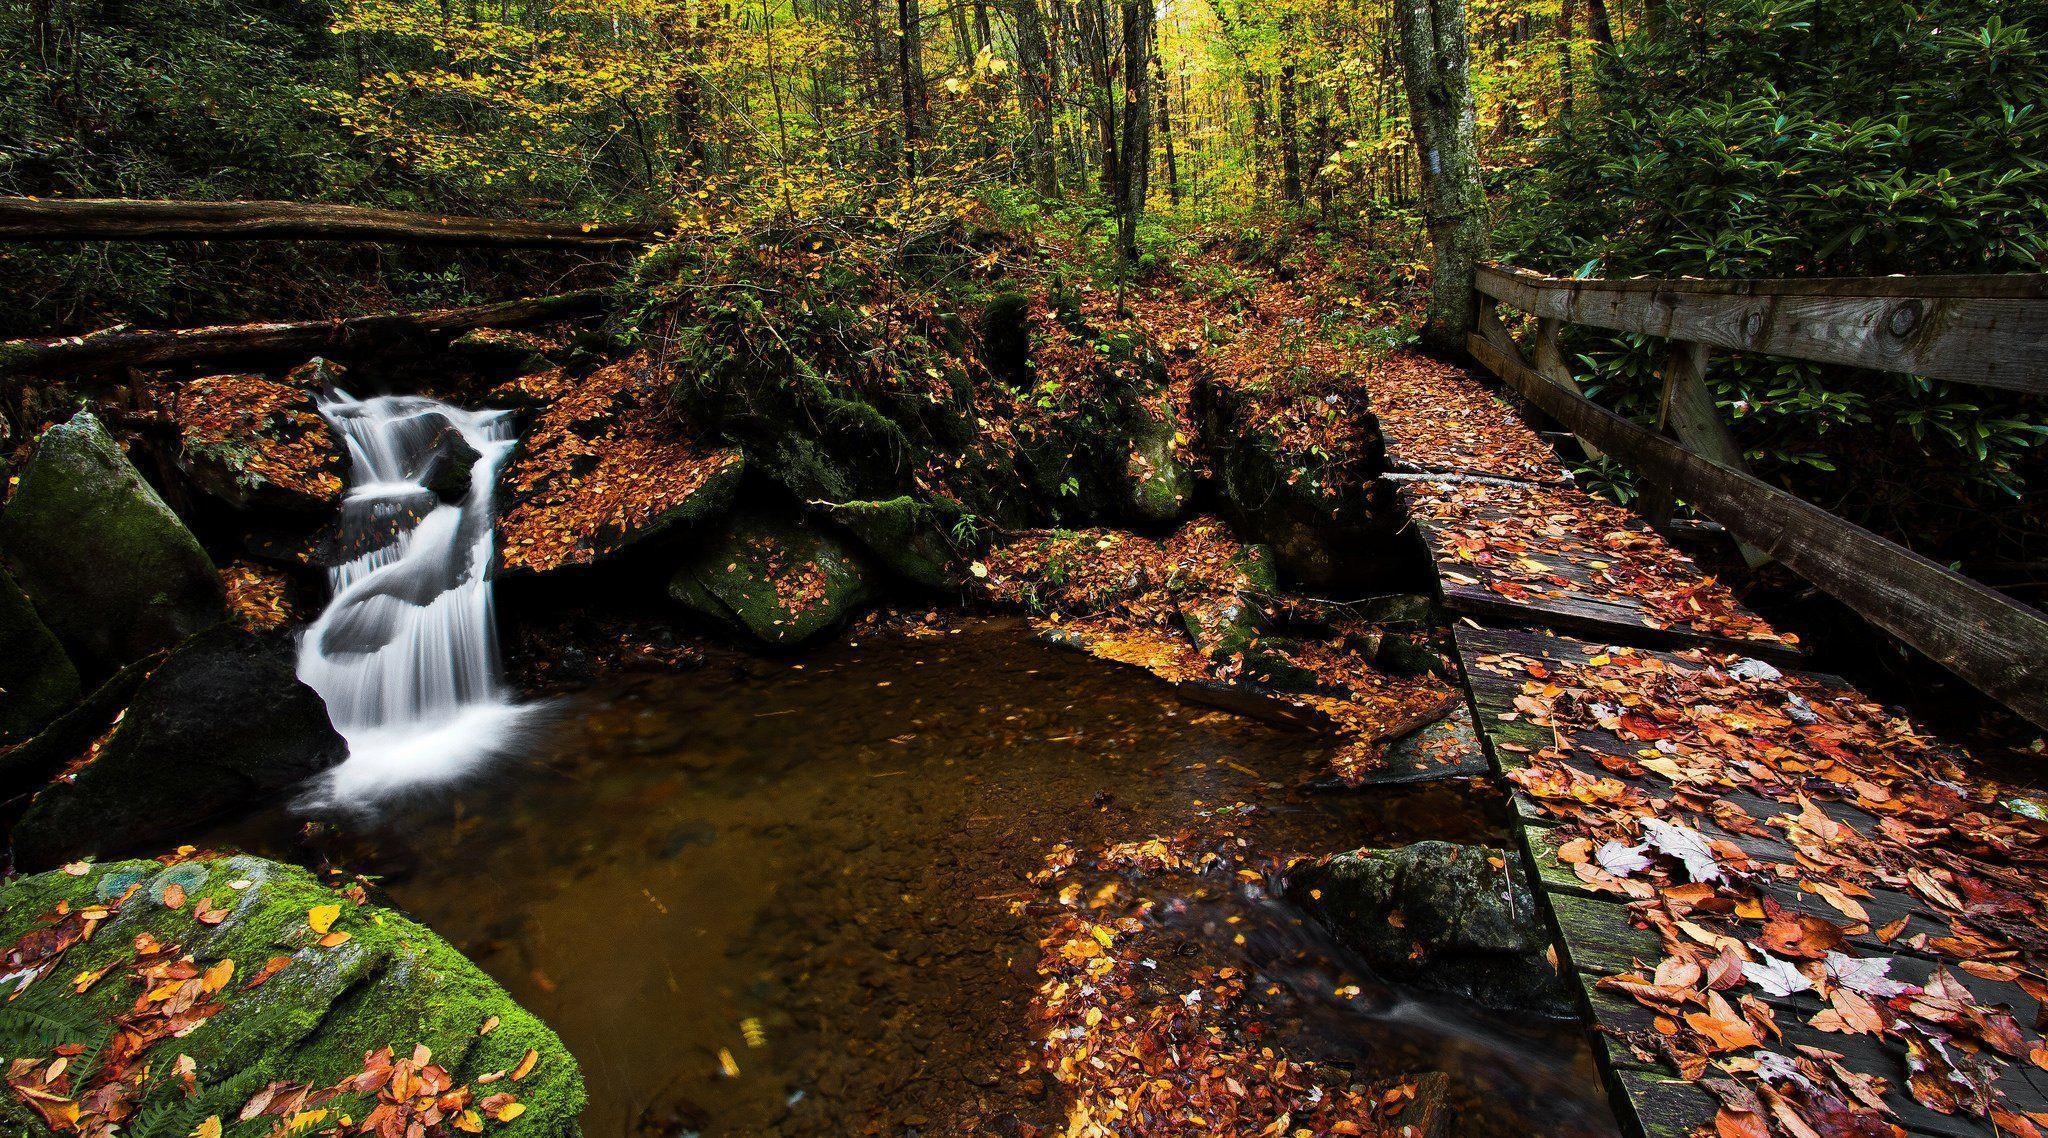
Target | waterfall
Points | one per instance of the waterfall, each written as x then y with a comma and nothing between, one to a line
406,653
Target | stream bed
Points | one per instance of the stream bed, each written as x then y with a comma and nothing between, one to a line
791,897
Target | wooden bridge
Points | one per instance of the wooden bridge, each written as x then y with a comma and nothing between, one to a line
1859,924
1620,691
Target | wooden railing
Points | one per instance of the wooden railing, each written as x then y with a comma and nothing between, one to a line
1985,330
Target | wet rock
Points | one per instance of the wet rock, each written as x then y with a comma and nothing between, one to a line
108,566
912,539
258,444
448,466
224,721
37,680
1459,919
390,983
781,581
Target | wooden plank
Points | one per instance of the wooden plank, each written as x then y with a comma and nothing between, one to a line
1991,331
1599,938
120,219
1578,589
2009,286
1997,644
1621,1018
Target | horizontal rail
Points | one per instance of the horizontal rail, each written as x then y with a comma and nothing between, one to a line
1995,643
1986,330
120,219
144,346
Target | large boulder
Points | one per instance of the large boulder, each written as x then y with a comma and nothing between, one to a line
270,998
223,722
915,540
37,680
1454,918
1159,484
779,580
605,467
110,569
256,443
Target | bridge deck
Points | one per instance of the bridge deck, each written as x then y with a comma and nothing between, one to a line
1837,826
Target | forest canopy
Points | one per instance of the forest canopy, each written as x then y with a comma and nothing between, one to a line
1616,137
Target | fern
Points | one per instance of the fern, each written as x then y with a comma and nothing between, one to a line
38,1021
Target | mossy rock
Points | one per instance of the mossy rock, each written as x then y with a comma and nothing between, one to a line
109,567
777,579
1160,485
258,444
912,539
223,722
391,983
37,680
1455,918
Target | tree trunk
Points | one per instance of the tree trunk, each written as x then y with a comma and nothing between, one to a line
1136,162
1255,94
1598,23
1034,93
1166,128
122,345
120,219
1290,144
1435,57
910,81
1565,32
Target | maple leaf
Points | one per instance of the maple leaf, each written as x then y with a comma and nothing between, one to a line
1776,977
1622,860
1687,845
1868,975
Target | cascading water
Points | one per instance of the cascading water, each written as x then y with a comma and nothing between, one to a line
406,653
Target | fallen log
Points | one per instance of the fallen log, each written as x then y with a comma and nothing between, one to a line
120,219
137,347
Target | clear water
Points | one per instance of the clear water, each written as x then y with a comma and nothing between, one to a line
811,864
406,655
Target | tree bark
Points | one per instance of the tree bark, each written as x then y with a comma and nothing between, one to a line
1598,22
1565,32
911,80
1135,164
1034,62
126,346
1166,127
1435,60
116,219
1290,143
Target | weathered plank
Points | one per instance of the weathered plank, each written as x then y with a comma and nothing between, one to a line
1991,331
1687,413
1988,639
120,219
1609,575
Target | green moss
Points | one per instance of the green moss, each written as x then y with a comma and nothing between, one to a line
109,567
913,539
392,984
1161,485
779,580
37,680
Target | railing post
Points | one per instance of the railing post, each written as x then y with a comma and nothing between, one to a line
1547,357
1687,413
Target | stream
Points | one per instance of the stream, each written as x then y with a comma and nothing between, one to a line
814,865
